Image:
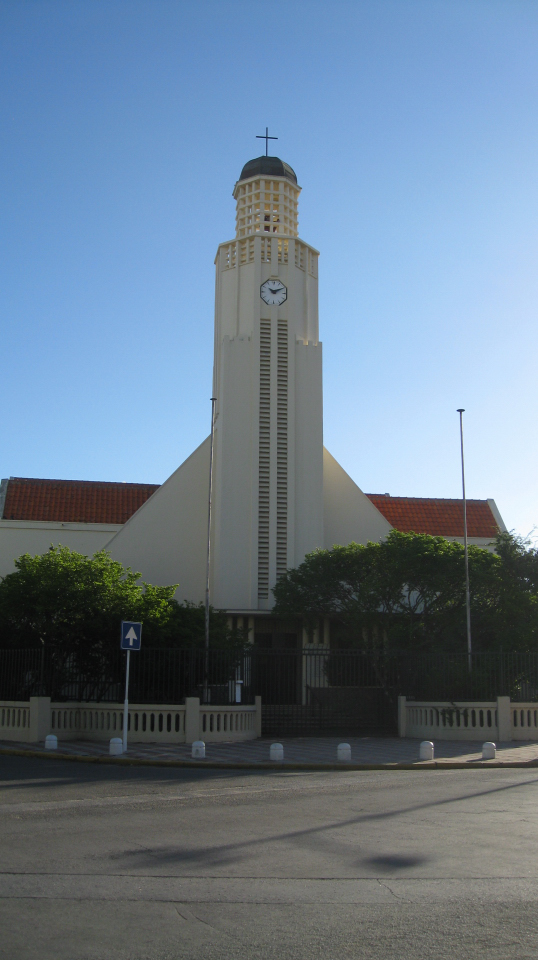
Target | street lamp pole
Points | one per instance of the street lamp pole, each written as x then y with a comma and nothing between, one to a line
461,411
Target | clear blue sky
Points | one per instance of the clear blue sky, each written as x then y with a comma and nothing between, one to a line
412,128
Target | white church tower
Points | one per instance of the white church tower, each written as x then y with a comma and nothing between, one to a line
267,381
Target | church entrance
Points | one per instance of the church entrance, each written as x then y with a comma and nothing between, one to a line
315,690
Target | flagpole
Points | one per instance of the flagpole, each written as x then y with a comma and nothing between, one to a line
208,553
461,411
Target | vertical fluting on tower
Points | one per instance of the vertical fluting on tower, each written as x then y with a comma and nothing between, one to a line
282,449
264,464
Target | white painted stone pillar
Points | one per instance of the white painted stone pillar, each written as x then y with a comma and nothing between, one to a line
504,718
39,718
192,719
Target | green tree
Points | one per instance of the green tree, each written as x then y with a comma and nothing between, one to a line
74,603
508,620
408,593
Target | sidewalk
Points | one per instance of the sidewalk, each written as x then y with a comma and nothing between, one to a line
298,751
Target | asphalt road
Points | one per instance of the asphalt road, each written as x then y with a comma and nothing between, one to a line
101,862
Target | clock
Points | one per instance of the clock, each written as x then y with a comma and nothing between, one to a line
273,292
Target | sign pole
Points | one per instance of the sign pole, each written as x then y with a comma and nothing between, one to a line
126,704
131,638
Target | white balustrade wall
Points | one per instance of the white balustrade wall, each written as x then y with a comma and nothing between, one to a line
467,720
444,721
228,723
15,720
149,723
31,722
524,717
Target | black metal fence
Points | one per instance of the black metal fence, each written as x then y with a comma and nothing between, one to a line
155,676
302,691
448,677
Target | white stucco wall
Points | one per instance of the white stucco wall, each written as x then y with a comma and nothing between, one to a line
484,542
306,454
235,476
348,515
166,538
35,537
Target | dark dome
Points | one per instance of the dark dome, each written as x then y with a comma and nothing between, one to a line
269,167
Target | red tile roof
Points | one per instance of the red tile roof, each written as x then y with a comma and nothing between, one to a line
74,501
91,501
440,518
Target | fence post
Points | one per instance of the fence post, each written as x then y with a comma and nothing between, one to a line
402,716
258,716
192,719
39,718
504,718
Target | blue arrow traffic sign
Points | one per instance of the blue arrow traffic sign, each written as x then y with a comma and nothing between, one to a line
131,635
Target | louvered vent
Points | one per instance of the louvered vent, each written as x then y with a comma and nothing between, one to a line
266,250
282,450
283,249
264,461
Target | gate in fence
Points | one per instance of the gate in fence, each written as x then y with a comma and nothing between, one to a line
323,691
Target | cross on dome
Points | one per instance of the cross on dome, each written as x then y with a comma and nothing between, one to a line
267,138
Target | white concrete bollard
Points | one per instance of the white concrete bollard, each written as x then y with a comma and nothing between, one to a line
426,750
115,747
344,751
51,742
488,751
276,751
198,750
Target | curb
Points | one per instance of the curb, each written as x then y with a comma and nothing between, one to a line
272,765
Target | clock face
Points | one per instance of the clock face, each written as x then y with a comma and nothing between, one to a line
273,292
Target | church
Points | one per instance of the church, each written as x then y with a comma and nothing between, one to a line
277,493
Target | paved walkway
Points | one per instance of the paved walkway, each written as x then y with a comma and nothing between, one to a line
297,750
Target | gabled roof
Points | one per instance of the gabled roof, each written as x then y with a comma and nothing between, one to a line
439,518
74,501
